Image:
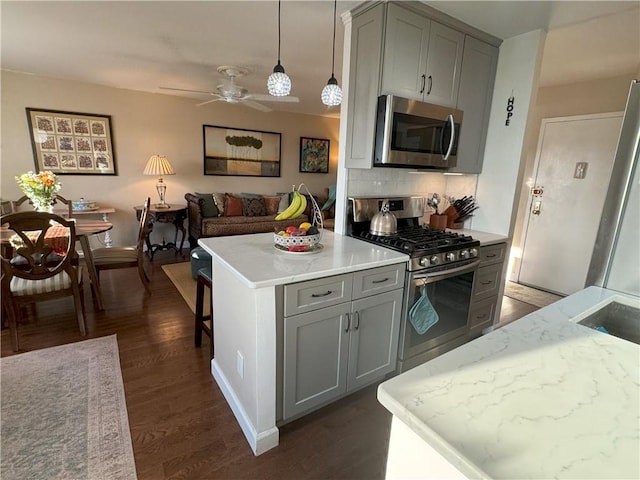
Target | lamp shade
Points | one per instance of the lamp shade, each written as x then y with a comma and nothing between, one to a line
158,165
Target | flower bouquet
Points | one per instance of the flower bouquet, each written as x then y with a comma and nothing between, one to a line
41,189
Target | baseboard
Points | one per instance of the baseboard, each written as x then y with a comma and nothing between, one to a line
259,442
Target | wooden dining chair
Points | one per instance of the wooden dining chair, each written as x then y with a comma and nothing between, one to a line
17,204
42,266
126,257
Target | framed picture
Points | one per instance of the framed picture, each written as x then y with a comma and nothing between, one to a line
71,143
241,152
314,155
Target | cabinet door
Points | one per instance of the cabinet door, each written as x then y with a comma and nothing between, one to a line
479,63
444,62
405,53
373,346
364,83
486,282
315,358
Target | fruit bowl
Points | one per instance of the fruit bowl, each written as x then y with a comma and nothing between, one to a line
297,243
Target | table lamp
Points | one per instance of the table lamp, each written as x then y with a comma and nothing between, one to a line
158,165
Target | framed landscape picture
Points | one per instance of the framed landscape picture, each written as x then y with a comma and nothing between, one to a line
71,143
241,152
314,155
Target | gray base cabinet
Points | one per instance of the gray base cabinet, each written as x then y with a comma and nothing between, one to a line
486,286
335,349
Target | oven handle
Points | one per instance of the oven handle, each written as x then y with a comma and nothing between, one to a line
435,276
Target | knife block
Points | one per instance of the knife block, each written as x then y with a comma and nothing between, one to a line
451,214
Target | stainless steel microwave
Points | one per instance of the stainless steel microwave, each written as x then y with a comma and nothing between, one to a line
415,134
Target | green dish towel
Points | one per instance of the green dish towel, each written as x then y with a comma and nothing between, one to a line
422,315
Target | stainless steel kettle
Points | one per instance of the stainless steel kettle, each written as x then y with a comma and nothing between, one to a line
384,222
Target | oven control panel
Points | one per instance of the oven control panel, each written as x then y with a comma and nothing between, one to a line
443,259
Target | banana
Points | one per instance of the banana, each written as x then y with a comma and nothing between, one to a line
291,209
302,207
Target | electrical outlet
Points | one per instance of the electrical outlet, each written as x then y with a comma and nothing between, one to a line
240,364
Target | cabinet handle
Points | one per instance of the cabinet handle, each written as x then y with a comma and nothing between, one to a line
357,315
491,256
484,315
316,295
430,85
346,330
424,77
486,282
385,279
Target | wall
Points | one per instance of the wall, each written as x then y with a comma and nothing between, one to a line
600,96
144,124
498,185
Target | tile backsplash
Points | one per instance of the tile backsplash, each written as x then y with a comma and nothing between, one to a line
398,182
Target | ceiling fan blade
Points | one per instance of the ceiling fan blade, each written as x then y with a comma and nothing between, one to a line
208,101
270,98
184,90
256,105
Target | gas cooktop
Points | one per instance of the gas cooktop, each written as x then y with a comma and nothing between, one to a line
420,240
428,248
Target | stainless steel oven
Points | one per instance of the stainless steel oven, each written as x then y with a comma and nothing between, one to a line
440,273
449,292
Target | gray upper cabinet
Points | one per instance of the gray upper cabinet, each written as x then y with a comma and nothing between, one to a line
364,84
422,58
479,63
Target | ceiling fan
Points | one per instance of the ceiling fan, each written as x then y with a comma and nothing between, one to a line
231,92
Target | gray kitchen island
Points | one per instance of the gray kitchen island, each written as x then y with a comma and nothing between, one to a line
249,279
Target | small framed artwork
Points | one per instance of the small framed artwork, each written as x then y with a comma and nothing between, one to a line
241,152
314,155
71,143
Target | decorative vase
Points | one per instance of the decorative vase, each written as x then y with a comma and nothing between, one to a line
42,205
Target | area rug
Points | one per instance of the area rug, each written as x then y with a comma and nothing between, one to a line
64,414
180,276
529,295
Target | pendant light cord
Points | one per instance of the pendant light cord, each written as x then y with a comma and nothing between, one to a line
279,32
333,55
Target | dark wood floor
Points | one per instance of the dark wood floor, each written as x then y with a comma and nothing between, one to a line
181,426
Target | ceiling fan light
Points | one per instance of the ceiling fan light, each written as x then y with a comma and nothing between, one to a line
279,83
331,94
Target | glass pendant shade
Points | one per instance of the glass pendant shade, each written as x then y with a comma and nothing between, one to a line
279,83
331,94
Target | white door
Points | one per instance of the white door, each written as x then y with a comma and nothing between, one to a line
573,166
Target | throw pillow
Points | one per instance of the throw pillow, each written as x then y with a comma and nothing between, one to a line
253,207
219,199
284,202
272,203
332,198
234,206
209,208
250,195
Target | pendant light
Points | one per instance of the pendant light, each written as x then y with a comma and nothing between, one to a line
279,84
331,94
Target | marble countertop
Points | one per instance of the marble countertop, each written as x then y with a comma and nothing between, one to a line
259,264
484,237
541,397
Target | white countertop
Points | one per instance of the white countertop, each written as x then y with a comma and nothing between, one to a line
259,264
484,237
542,397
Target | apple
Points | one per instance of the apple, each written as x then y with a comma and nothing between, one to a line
291,229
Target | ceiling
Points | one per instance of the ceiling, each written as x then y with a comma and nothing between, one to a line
145,45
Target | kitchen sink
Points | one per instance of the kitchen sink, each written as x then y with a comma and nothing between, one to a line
617,319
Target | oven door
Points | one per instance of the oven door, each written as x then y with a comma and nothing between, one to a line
449,292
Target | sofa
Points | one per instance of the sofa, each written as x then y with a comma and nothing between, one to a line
220,214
